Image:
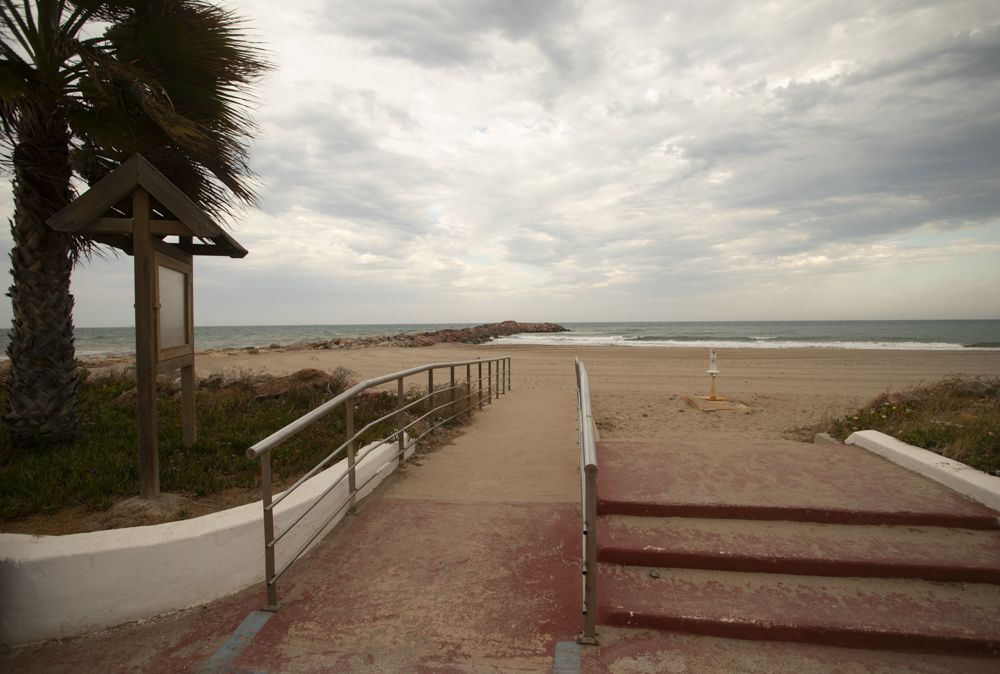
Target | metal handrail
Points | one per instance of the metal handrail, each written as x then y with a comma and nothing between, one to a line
588,503
480,389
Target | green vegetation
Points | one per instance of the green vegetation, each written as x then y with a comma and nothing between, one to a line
957,418
101,465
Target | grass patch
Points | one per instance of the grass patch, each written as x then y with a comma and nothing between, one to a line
102,465
957,418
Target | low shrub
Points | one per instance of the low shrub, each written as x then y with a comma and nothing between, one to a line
102,466
957,418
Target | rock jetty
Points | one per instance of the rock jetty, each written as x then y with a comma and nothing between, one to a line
478,334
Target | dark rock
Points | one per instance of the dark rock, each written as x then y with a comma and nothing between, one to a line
213,381
266,386
126,397
972,388
478,334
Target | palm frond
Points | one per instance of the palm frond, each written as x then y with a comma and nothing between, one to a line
168,78
29,19
16,27
200,57
76,20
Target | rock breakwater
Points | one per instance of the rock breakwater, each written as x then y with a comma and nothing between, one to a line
478,334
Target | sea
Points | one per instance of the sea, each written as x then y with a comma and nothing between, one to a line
951,335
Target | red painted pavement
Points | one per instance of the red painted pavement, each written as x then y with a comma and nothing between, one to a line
868,613
648,651
930,553
417,586
775,481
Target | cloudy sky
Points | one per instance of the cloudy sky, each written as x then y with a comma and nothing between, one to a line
475,160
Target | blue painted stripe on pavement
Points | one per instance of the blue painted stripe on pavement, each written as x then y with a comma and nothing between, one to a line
567,659
237,642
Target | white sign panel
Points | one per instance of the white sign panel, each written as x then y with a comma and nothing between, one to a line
173,308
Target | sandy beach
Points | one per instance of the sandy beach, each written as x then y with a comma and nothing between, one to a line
640,392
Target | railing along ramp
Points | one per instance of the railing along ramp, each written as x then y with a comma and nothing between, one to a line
588,502
420,411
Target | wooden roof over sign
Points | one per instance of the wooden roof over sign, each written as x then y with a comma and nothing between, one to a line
104,213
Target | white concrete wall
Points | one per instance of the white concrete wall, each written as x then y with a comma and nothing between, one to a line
59,586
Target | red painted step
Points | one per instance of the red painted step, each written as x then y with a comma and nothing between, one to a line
627,650
775,481
805,548
893,614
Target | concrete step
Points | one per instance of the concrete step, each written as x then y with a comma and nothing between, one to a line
893,614
931,553
624,649
775,481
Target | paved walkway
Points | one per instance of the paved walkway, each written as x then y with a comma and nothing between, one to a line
467,561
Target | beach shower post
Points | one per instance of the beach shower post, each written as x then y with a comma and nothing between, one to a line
713,372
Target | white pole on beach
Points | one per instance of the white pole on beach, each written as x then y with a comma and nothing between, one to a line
713,372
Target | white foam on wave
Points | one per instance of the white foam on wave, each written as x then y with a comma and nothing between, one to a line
564,339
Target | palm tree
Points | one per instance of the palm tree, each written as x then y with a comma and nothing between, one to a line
84,84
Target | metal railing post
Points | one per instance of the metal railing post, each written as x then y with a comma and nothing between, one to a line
503,379
270,582
489,382
589,635
468,388
451,386
352,480
430,398
508,374
480,365
399,421
496,389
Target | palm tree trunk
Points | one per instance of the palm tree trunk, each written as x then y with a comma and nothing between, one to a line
41,387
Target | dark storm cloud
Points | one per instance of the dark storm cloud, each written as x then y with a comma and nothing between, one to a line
826,158
321,159
449,33
895,146
971,57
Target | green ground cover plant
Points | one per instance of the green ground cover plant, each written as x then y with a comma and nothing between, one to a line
957,418
100,466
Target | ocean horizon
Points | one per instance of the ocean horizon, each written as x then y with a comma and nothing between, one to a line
938,335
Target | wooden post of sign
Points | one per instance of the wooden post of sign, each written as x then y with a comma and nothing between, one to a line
145,346
189,430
